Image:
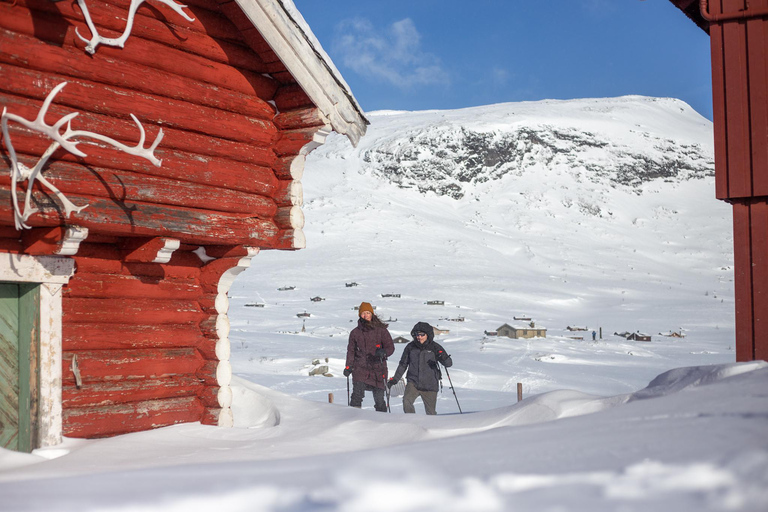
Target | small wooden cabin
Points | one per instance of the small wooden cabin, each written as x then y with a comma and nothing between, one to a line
401,339
519,331
438,331
184,160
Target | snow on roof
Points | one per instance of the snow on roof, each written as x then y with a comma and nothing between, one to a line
289,36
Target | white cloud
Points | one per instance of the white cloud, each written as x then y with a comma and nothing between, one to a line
393,54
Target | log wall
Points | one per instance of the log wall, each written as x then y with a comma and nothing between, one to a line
144,342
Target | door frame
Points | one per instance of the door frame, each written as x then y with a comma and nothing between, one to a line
51,273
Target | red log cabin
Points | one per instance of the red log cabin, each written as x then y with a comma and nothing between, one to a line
170,157
738,31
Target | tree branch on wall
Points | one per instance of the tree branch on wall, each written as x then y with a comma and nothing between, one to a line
68,140
96,39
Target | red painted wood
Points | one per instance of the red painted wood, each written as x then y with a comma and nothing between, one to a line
122,286
743,279
35,54
13,246
101,336
106,259
141,219
291,141
207,373
43,240
111,420
87,96
121,186
132,311
291,97
211,273
168,28
111,393
300,118
207,347
137,364
124,130
233,12
139,51
211,416
737,104
759,235
718,111
257,43
209,396
757,44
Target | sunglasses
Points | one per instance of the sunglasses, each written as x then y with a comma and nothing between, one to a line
420,334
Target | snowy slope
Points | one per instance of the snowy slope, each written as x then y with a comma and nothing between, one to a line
545,238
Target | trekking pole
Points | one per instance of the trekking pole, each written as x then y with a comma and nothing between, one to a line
386,389
454,391
347,390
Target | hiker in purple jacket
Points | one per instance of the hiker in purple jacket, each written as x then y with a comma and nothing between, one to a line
369,347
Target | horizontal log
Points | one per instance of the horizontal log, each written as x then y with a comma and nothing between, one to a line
142,219
107,259
86,285
215,373
168,28
291,97
125,131
88,96
50,28
291,142
112,420
115,365
290,167
111,393
131,311
211,416
9,245
207,348
289,193
177,165
300,118
127,186
37,55
103,336
209,396
289,217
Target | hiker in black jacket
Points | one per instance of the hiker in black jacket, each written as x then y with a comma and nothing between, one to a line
420,358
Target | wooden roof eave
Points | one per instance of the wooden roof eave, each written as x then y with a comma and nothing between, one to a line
308,65
692,9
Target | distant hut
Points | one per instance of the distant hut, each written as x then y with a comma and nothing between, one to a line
350,285
317,299
401,339
576,328
519,331
435,303
439,331
639,336
522,318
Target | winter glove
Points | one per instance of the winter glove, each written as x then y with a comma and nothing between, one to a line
391,382
347,371
432,364
442,356
380,353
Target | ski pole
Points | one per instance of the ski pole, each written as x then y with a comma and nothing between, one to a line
386,390
347,390
454,391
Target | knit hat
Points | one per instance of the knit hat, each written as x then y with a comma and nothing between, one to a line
364,306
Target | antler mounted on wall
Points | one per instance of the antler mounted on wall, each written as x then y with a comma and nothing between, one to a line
97,39
20,172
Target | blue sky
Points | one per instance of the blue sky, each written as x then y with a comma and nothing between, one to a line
445,54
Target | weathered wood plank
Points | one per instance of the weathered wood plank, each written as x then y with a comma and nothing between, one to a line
49,27
132,311
300,118
87,96
127,186
112,393
742,280
252,177
35,54
124,130
141,219
137,364
123,286
107,259
111,420
757,44
718,111
101,336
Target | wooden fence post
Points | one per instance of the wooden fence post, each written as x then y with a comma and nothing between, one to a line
519,391
330,398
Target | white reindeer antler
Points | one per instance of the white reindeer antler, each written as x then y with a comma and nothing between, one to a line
96,39
20,172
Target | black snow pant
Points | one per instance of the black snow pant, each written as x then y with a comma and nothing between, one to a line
358,392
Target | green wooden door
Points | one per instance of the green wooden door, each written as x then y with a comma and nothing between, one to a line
19,377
